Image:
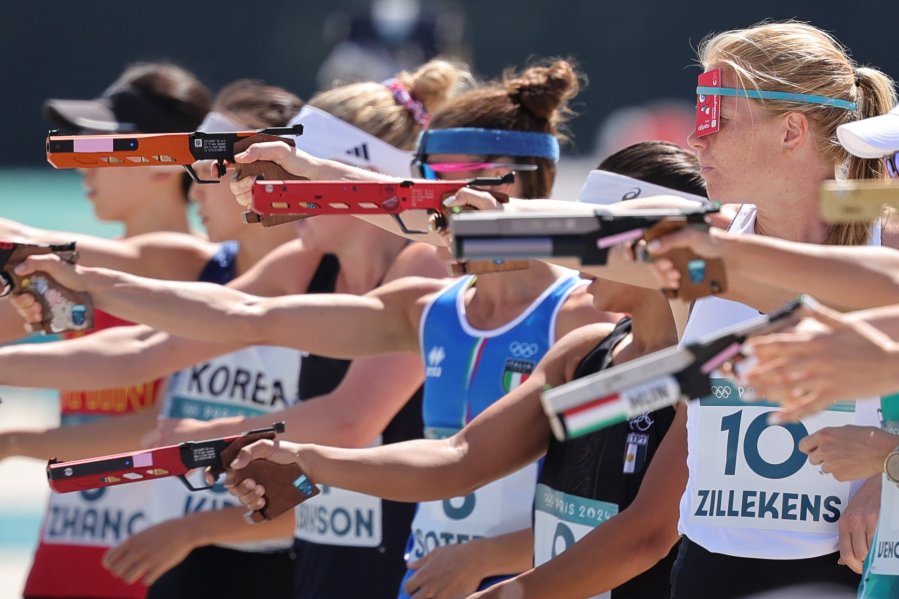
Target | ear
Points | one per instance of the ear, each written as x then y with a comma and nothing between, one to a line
796,131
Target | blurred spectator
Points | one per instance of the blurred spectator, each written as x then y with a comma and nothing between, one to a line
392,36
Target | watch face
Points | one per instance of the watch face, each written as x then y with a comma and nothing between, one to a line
891,467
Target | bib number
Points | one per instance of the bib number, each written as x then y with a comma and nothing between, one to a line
752,474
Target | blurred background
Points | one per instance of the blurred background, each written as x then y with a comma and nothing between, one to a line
639,57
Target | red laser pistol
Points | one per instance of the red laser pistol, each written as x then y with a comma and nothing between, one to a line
652,382
62,309
160,149
310,198
587,237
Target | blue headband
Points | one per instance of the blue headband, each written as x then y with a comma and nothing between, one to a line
488,142
771,95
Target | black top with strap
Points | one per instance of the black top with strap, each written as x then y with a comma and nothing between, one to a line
341,571
609,464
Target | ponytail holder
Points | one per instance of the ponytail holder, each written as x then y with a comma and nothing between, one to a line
404,98
857,78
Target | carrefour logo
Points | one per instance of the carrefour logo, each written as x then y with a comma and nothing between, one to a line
436,355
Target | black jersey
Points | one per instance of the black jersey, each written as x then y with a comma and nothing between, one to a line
326,569
588,480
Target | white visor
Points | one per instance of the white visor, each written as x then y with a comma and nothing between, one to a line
326,136
875,137
604,187
216,122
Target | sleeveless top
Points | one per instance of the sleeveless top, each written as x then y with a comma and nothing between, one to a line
467,370
80,527
350,544
253,381
588,480
751,492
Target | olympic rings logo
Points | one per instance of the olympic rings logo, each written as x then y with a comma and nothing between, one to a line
520,349
721,391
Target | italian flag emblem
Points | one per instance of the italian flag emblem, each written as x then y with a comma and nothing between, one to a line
515,373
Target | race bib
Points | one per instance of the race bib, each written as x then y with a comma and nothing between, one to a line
752,475
886,549
501,507
885,553
561,520
99,517
340,517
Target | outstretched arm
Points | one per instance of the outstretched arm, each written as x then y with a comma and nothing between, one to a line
352,415
115,357
298,162
826,357
757,262
510,434
102,437
337,325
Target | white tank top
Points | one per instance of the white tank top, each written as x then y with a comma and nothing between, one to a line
751,492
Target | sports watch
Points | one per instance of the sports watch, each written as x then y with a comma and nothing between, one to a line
891,466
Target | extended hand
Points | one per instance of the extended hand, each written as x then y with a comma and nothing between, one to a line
849,452
151,553
290,159
248,492
826,358
858,523
447,572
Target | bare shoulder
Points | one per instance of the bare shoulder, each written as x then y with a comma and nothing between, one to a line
564,356
286,270
418,260
578,311
169,255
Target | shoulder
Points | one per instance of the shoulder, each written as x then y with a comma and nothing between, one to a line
168,255
569,351
286,270
417,260
578,310
423,287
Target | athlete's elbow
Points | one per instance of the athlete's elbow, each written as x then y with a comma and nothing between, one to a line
657,545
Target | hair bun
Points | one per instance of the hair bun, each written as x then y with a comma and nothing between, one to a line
543,90
436,81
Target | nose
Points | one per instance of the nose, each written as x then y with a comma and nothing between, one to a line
697,143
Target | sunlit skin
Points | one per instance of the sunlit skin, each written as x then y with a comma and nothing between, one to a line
215,204
767,159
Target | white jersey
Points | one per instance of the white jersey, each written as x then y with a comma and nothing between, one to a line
751,492
250,382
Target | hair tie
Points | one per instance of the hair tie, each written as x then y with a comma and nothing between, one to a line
404,98
858,78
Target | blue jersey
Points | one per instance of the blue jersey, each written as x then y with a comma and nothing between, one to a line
467,370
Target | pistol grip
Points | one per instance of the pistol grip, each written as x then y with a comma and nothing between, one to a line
229,453
479,267
286,487
62,309
264,169
699,276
